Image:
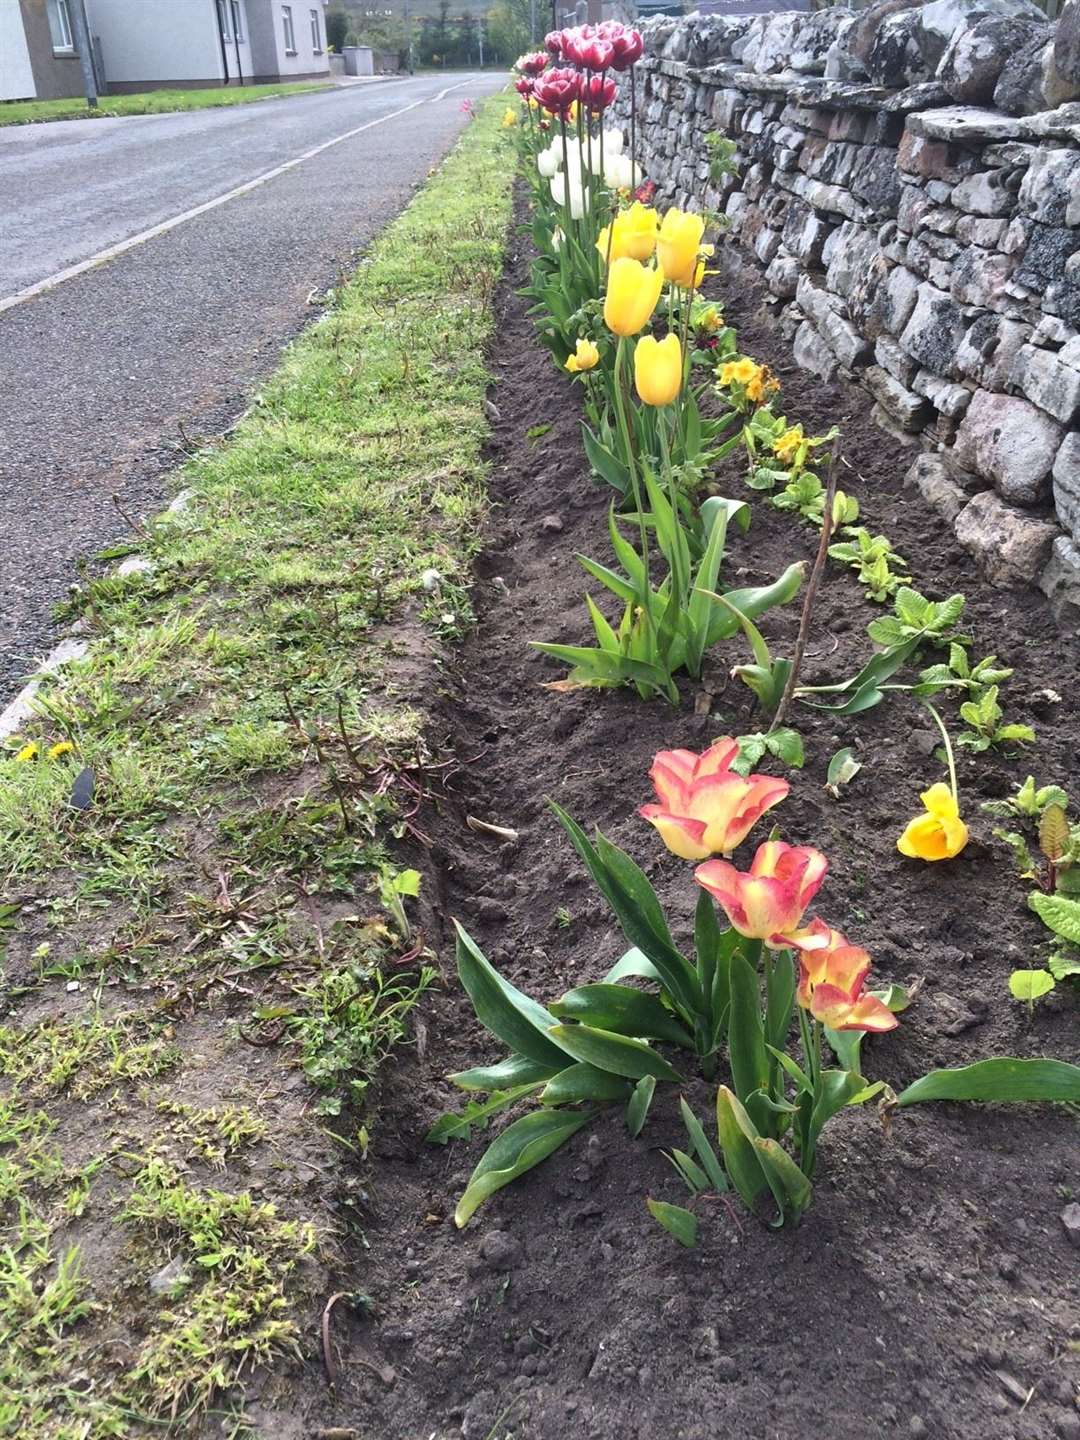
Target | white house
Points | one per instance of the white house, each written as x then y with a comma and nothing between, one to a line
38,55
149,44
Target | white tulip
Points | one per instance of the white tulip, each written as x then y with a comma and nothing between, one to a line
579,193
621,173
556,239
549,161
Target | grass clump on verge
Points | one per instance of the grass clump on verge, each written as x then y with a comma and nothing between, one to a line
150,102
209,945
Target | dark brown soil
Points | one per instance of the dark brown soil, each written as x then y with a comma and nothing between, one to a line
931,1286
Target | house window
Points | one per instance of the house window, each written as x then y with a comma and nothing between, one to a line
237,21
60,27
290,33
316,36
223,19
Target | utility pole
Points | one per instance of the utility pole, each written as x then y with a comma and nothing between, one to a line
532,21
408,40
83,44
480,29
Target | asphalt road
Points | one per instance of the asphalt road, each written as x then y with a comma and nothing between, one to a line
99,375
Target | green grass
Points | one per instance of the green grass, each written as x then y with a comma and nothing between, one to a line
251,713
149,102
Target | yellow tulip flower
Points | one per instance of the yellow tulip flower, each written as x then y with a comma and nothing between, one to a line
940,833
632,232
509,119
679,248
658,369
632,292
585,356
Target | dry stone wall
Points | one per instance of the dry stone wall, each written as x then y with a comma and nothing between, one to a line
909,182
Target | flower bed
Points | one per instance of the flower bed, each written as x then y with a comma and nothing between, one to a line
924,1289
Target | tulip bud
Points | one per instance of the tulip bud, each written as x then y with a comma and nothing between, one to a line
658,369
632,292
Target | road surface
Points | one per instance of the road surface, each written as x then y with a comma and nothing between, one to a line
99,372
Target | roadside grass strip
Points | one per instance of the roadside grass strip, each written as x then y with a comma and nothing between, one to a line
206,933
150,102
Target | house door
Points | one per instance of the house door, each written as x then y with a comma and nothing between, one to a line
16,76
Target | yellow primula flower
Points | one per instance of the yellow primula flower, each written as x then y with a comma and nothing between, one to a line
28,752
585,357
61,748
940,833
787,445
763,383
710,320
509,119
738,372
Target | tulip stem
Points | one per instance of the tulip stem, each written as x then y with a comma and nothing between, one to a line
948,750
631,465
567,209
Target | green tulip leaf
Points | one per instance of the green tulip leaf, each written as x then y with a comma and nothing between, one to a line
460,1126
676,1220
637,1111
703,1149
634,962
737,1135
583,1082
514,1070
746,1034
519,1148
626,1011
618,1054
1006,1079
517,1020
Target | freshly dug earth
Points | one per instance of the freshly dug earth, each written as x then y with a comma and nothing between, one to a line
931,1289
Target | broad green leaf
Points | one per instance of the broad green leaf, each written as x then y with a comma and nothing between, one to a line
836,1089
521,1145
740,1158
702,1148
780,1000
614,582
786,744
606,637
1064,966
583,1082
459,1126
1059,914
618,1054
627,890
626,1011
634,962
746,1035
637,1109
606,465
1030,985
696,1180
787,1179
755,600
515,1018
1002,1079
676,1221
843,767
514,1070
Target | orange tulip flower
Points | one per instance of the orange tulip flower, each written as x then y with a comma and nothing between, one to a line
705,807
832,974
768,902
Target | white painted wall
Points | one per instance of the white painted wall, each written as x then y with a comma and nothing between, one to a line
159,41
16,76
268,38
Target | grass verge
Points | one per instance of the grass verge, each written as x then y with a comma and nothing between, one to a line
205,907
148,102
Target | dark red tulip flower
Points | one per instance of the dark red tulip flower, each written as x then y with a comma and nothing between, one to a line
596,55
628,48
532,64
524,85
557,90
553,43
597,92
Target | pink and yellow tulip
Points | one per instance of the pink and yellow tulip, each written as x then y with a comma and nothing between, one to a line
832,977
705,808
768,902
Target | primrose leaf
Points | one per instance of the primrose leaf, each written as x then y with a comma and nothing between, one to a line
407,882
1030,985
1059,914
1053,833
1063,965
676,1220
786,744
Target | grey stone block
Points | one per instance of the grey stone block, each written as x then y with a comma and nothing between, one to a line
1010,547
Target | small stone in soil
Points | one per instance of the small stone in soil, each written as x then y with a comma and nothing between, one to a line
499,1250
1070,1218
1008,1267
726,1368
552,524
917,1426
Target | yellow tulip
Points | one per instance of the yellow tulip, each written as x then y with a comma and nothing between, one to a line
679,248
585,356
658,369
940,833
633,233
632,292
509,119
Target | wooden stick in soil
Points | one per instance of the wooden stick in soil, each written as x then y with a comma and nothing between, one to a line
811,591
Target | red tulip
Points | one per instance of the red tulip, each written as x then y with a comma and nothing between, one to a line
532,64
553,43
524,85
556,90
597,92
628,48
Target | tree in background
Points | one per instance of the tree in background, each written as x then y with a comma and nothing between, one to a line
506,33
337,27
